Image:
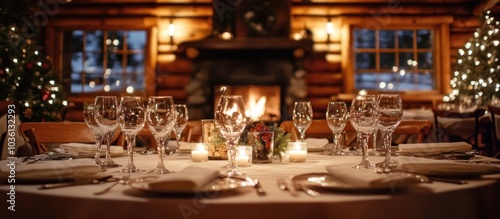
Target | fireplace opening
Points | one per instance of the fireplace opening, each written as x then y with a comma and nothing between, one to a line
262,102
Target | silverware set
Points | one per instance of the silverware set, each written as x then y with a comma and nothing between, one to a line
292,187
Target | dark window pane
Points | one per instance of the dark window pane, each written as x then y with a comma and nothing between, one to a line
77,41
387,60
406,60
136,40
93,41
425,60
115,40
405,38
366,81
387,39
365,61
364,38
424,38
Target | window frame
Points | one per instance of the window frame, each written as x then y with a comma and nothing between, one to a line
439,24
54,44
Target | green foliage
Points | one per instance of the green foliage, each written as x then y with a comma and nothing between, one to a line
26,75
478,66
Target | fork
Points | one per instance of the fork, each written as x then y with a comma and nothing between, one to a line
124,180
283,186
307,190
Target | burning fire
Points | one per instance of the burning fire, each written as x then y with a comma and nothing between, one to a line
255,109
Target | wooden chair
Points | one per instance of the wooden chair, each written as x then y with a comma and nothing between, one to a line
319,129
495,114
40,134
440,113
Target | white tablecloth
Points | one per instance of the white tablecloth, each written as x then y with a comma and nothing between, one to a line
477,199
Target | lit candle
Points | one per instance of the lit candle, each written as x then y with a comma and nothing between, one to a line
297,152
199,153
243,156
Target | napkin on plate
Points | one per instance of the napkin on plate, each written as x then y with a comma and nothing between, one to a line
434,167
316,143
89,148
367,178
50,169
434,147
187,180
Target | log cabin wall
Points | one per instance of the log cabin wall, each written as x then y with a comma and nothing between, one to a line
169,73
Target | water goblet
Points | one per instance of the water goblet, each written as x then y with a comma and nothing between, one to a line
302,117
231,120
336,117
89,118
106,115
389,116
182,118
132,117
161,119
363,117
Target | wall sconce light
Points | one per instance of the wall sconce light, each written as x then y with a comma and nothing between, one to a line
329,30
171,31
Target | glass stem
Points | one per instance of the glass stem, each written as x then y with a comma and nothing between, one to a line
364,145
387,145
302,135
232,152
108,145
160,149
130,150
98,142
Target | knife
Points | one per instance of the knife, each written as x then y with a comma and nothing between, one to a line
76,183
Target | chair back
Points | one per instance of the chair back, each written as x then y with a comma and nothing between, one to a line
319,129
442,113
39,134
495,131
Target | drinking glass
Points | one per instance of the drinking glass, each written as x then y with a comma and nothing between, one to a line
231,120
161,119
336,117
106,115
132,118
182,118
390,114
88,116
302,117
363,117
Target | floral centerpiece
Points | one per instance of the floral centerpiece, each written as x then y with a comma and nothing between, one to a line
281,138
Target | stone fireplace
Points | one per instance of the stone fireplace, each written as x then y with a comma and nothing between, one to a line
250,62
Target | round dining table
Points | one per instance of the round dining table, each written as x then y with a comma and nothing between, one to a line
478,198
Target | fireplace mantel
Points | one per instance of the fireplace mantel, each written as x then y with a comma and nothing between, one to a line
253,43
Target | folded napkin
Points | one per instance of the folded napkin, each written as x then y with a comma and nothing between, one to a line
316,143
89,148
187,180
184,146
434,147
50,169
434,167
367,178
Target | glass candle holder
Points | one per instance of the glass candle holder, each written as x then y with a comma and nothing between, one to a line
199,152
243,156
297,152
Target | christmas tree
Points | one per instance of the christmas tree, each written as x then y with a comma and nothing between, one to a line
478,67
26,76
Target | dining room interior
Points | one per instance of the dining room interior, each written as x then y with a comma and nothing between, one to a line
296,108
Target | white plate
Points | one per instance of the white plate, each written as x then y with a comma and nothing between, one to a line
217,185
324,181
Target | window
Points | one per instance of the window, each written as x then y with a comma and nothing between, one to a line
394,59
98,61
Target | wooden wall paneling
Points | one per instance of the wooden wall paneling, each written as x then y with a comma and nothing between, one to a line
324,78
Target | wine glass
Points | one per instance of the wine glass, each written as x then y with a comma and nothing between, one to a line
182,118
390,114
231,120
106,115
336,117
302,117
132,117
363,117
161,119
89,118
